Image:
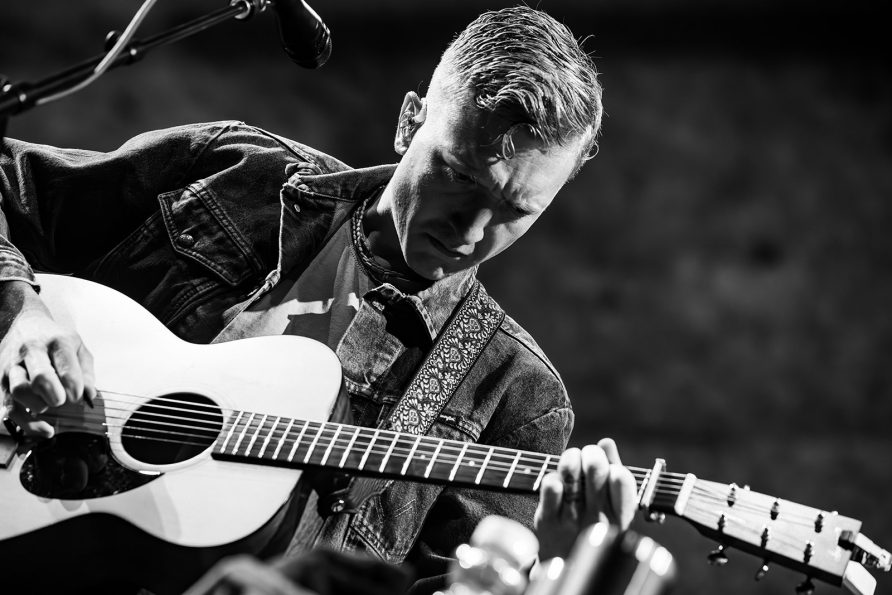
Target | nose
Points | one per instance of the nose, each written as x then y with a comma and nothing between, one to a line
470,224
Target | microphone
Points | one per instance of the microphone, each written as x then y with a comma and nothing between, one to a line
492,563
305,38
605,561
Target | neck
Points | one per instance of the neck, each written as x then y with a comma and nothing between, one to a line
380,234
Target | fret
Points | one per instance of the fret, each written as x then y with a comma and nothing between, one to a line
511,470
313,443
527,471
409,456
263,435
268,436
282,439
542,472
331,445
254,437
241,434
483,465
430,466
349,446
297,441
455,467
396,437
231,430
368,450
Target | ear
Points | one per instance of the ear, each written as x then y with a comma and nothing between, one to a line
412,115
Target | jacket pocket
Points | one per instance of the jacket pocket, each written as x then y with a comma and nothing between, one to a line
200,230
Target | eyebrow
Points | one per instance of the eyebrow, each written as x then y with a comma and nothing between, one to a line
450,156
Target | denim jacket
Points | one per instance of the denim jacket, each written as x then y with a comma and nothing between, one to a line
196,222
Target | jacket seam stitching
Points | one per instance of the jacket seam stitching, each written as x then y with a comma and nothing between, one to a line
532,351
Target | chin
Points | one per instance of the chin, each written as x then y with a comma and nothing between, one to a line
432,274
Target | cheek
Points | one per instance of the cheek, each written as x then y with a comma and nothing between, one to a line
506,234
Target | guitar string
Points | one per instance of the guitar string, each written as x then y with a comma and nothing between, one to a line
705,495
382,450
325,427
665,484
359,429
380,447
719,503
376,454
321,428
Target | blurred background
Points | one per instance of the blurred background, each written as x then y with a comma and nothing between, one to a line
715,287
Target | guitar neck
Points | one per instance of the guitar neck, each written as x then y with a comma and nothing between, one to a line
272,440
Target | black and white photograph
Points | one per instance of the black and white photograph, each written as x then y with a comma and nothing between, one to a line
543,298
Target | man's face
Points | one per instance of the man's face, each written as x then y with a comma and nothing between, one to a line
454,202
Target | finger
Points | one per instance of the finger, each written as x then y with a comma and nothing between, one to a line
65,361
42,375
251,576
30,425
611,450
622,491
550,497
570,470
570,465
86,361
22,392
596,469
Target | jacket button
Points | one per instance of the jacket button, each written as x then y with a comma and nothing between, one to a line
338,505
185,241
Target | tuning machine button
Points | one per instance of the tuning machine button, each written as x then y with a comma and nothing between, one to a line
806,587
763,570
717,557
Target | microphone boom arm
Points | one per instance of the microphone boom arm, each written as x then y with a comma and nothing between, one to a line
18,97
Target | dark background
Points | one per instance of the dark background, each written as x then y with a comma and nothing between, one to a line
715,287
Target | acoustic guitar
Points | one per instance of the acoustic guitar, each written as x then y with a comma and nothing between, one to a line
191,452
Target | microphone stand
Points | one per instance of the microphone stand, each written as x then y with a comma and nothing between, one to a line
18,97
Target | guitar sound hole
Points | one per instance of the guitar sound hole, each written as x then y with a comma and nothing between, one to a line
172,428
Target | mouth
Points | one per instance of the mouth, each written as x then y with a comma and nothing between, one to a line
449,252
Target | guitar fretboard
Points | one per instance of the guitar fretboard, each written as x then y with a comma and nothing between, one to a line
269,439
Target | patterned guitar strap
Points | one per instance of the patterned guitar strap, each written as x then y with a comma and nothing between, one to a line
453,354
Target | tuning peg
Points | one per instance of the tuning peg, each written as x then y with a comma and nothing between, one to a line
806,587
717,556
760,574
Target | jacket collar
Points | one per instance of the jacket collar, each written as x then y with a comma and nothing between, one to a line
332,197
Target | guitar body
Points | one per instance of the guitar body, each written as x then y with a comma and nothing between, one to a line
145,500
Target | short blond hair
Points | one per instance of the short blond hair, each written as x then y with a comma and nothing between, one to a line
523,65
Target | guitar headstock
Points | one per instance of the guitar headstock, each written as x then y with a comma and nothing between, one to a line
823,545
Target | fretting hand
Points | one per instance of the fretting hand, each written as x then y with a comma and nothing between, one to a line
590,485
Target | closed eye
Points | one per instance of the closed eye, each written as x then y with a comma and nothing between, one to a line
459,177
518,210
